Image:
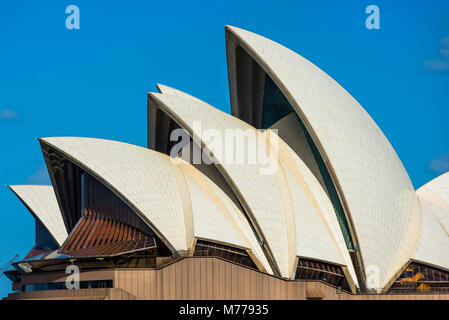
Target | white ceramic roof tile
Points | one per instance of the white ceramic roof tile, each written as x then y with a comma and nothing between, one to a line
436,194
42,202
437,191
216,217
378,192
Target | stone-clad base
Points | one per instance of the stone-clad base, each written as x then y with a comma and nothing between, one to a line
199,278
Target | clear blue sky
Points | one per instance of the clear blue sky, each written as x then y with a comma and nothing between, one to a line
93,81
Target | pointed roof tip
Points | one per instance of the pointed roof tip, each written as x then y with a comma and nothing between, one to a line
235,30
240,35
155,97
160,87
170,91
228,27
154,94
45,139
163,89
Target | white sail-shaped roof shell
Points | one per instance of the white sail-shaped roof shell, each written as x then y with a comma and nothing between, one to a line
177,201
373,186
436,192
433,245
42,203
289,207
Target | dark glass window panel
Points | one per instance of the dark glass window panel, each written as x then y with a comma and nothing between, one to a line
275,107
62,286
316,270
421,278
44,241
212,249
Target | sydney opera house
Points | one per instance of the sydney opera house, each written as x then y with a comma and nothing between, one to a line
330,214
